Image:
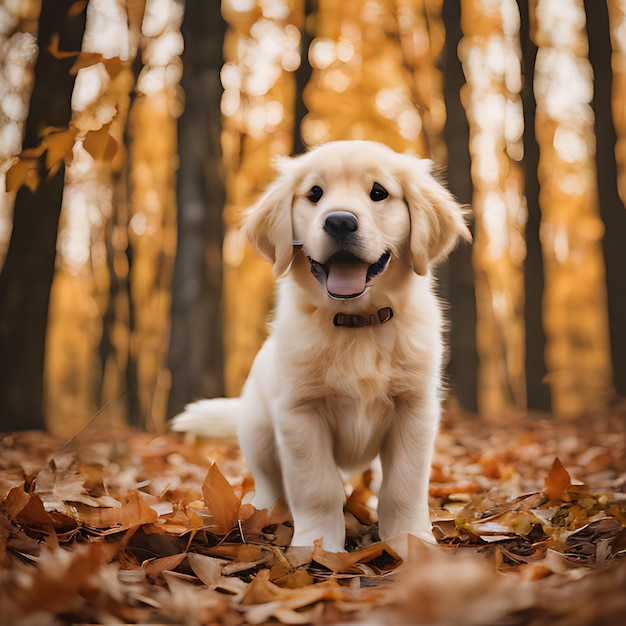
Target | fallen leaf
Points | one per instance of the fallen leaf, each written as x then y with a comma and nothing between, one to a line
357,504
220,499
207,568
248,558
557,481
521,557
352,562
264,600
155,567
132,511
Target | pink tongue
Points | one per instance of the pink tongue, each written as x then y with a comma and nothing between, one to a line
346,279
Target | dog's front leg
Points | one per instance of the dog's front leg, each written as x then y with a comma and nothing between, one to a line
406,457
313,486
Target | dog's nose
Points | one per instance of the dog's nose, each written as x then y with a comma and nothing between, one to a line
340,224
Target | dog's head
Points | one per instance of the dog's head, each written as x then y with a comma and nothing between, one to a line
355,207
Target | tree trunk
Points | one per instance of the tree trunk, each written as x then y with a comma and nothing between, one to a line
463,365
537,391
28,270
612,210
303,75
196,353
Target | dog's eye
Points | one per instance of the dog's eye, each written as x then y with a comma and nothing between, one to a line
315,194
378,192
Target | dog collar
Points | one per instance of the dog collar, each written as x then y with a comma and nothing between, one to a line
382,316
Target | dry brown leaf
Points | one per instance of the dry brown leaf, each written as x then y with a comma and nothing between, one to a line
28,510
220,499
133,511
61,575
264,600
155,567
357,504
207,568
352,562
15,501
248,558
289,568
557,481
62,481
253,522
523,540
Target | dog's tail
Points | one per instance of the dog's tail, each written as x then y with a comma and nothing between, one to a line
217,418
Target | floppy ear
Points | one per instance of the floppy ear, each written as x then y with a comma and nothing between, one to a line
268,223
437,220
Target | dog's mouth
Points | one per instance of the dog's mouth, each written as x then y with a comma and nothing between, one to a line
345,276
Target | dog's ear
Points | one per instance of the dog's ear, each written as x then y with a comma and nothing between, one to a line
437,219
268,222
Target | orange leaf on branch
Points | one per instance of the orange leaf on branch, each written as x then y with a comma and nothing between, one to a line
77,8
113,65
58,144
53,49
100,144
25,171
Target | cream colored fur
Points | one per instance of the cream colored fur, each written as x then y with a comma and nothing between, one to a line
320,398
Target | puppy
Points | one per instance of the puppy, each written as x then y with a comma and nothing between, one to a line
352,368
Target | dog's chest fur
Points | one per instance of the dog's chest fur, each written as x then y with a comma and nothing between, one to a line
350,379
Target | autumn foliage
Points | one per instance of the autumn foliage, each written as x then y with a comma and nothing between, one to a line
137,528
153,299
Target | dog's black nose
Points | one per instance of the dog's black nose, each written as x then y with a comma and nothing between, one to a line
340,224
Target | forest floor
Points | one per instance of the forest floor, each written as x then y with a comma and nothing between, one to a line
125,527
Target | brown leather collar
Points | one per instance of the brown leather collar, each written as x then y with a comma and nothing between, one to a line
382,316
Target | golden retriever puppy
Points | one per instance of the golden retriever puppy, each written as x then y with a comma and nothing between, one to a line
352,368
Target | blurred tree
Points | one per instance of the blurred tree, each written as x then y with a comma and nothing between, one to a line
611,207
537,390
196,355
463,365
303,74
87,364
119,382
28,270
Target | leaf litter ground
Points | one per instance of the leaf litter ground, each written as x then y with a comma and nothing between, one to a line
123,527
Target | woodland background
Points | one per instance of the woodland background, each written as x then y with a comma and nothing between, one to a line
142,128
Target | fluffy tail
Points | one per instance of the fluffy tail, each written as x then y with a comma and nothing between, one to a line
217,418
